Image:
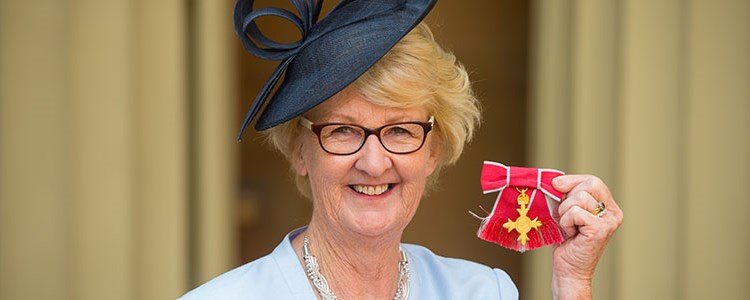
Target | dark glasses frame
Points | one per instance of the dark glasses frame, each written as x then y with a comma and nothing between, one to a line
317,128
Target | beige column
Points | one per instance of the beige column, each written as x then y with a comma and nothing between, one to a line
650,143
92,150
551,38
215,140
34,139
161,145
715,239
102,163
659,107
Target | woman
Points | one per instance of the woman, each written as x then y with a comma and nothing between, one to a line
366,131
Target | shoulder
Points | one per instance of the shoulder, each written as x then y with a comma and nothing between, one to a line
238,283
453,278
278,275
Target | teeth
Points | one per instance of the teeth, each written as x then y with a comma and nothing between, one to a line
371,190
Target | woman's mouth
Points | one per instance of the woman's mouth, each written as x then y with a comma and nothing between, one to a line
371,190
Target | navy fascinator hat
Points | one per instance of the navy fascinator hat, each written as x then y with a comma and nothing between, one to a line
331,54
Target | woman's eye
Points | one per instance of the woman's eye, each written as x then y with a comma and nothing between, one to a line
396,130
342,130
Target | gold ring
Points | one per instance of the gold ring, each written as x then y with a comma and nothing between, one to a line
600,209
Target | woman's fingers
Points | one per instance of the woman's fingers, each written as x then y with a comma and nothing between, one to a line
577,186
572,184
580,199
578,220
584,192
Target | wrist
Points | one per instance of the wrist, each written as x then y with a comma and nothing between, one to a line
567,288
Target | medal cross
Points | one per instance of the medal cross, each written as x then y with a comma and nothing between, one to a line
523,224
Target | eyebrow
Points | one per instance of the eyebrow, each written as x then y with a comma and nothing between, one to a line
392,118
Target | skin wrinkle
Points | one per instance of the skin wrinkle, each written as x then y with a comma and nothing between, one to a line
356,238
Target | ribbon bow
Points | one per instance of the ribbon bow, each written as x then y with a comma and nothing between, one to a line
249,34
522,232
496,176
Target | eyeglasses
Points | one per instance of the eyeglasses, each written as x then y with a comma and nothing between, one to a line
345,139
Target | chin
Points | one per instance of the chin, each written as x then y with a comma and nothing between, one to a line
374,224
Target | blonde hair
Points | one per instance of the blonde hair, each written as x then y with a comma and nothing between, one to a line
416,72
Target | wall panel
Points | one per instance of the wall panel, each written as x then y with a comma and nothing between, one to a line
660,89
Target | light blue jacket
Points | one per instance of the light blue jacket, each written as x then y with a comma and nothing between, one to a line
280,275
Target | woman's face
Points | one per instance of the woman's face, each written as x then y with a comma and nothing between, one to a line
371,192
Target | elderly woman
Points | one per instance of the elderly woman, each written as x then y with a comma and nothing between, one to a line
366,115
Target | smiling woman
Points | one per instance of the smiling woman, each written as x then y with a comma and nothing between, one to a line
369,109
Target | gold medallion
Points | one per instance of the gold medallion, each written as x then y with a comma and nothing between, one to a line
523,224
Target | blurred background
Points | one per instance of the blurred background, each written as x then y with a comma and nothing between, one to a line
120,177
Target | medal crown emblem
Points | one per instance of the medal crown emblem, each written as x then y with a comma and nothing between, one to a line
522,198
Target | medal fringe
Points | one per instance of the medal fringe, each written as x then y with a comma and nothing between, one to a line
492,230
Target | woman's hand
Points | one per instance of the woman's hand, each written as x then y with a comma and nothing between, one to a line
587,235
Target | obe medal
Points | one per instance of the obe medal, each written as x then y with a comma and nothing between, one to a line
523,224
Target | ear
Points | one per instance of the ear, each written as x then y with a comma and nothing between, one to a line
434,156
298,160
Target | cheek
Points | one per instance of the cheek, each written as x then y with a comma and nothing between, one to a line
311,161
424,166
325,195
325,176
414,184
412,193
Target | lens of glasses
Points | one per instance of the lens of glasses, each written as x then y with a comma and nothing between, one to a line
396,138
341,139
402,138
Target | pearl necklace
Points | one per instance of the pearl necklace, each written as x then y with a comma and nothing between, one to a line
321,284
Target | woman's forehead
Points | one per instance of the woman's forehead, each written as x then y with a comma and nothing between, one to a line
351,106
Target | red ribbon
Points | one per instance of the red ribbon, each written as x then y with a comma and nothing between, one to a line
544,199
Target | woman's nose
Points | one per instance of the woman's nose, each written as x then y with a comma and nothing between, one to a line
373,158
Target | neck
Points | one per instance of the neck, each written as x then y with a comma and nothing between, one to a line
356,266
